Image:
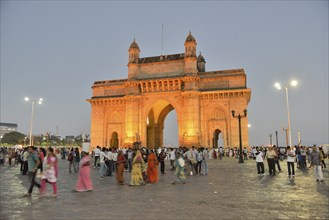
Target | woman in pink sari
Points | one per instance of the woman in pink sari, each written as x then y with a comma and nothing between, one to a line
84,182
50,174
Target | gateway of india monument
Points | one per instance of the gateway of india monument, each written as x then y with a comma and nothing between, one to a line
134,109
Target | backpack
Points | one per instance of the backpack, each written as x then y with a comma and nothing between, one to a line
70,157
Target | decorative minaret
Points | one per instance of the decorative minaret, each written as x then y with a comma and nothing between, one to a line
201,63
133,60
190,55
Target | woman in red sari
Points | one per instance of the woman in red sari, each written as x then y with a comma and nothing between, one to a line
152,167
120,167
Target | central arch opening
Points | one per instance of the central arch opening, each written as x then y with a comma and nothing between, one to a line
170,131
218,139
155,124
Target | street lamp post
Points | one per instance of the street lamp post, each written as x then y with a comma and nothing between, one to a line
286,132
270,139
39,101
276,137
240,135
47,137
279,86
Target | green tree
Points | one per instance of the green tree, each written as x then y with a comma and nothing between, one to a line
37,140
78,140
13,138
54,140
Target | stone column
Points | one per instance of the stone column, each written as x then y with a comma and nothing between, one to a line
191,118
157,82
132,119
97,124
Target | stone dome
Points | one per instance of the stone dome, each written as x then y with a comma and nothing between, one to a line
190,38
201,58
134,45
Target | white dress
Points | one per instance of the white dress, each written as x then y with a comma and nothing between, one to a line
49,173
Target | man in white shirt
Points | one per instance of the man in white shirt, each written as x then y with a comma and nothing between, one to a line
114,158
291,162
254,151
191,159
195,156
260,162
109,163
25,159
204,163
282,153
102,159
96,153
172,158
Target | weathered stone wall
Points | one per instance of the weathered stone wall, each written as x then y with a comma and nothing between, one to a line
161,69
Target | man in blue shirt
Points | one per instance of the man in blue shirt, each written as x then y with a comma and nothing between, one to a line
33,164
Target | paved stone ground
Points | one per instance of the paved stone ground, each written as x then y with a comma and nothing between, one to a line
230,191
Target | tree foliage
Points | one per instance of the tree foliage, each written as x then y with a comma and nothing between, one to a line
13,138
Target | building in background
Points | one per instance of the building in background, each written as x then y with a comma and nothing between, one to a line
6,128
69,139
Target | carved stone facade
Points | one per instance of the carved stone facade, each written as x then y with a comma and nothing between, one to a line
134,109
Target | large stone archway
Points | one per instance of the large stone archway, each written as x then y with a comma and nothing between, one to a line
155,123
135,108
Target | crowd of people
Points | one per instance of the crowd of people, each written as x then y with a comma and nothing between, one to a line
300,155
145,164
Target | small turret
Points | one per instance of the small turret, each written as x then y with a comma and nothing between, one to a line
190,55
190,46
133,52
133,67
201,62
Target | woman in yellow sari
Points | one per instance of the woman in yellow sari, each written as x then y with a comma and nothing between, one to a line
136,173
152,168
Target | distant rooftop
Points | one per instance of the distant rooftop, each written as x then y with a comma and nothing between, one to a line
12,125
110,81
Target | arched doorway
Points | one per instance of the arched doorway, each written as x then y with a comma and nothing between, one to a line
155,124
170,132
114,140
218,139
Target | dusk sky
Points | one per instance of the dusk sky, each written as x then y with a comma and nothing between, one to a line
57,49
